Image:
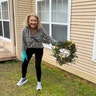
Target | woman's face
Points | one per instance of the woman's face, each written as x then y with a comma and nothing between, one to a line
33,22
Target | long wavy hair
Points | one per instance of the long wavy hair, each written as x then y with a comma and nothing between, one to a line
26,21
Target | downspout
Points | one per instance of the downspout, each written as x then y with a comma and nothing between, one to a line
13,21
14,27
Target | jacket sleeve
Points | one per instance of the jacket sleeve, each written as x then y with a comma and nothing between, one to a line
47,38
24,45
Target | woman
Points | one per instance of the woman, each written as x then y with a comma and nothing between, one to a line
33,37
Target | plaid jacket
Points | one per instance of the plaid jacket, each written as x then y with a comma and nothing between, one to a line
36,40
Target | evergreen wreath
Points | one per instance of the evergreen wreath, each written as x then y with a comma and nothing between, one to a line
64,52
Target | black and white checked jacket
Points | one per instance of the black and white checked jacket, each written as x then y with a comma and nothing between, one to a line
36,40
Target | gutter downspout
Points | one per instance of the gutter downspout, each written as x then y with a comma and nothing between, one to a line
14,27
13,21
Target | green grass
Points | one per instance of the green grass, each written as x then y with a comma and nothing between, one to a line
55,81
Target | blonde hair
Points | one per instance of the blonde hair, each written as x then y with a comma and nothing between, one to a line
26,21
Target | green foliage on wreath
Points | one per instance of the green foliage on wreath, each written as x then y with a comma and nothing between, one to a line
64,52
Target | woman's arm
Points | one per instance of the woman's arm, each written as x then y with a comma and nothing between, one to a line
24,45
47,38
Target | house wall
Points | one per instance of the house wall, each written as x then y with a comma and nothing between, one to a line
21,9
6,43
83,13
82,32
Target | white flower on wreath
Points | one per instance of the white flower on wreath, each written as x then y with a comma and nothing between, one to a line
64,52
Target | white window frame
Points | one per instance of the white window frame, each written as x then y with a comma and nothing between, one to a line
94,44
2,37
69,16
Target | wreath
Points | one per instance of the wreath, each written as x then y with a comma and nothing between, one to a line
64,52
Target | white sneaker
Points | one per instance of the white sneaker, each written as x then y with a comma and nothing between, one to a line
21,81
39,86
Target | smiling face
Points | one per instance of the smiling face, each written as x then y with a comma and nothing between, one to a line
33,22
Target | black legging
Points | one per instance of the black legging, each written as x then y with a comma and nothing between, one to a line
38,57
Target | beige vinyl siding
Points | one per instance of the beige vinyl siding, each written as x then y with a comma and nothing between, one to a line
82,27
33,5
22,8
83,13
82,32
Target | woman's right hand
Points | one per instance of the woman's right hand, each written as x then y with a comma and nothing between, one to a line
24,55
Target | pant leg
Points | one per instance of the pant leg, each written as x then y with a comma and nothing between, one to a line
26,62
38,59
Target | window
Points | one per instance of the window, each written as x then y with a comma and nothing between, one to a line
54,17
4,19
94,45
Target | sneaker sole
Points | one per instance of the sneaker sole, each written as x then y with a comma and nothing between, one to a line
39,89
22,83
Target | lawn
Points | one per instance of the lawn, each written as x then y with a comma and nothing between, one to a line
55,82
